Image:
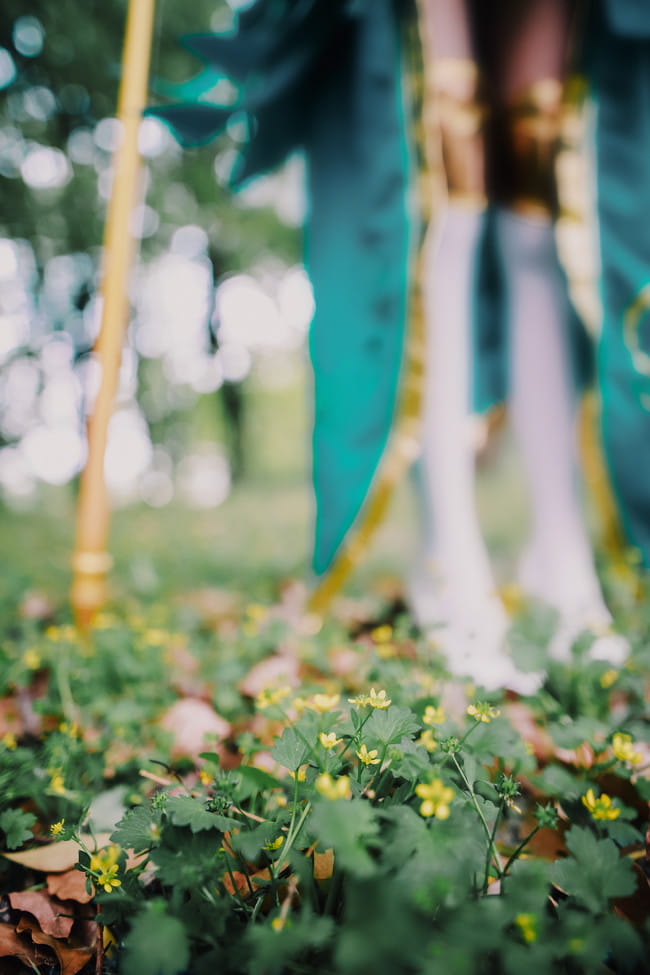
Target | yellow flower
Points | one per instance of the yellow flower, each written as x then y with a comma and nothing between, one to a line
299,704
278,923
376,699
427,740
329,740
608,678
623,749
155,637
57,784
70,728
527,924
436,796
601,807
255,611
368,757
274,844
9,740
108,879
323,702
205,777
31,659
434,715
333,788
300,775
105,859
270,696
382,634
483,712
57,828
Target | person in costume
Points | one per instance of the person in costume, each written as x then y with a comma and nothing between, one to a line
329,78
496,74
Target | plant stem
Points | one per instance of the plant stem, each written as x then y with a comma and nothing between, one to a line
523,843
491,844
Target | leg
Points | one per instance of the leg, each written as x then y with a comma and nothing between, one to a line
453,582
558,567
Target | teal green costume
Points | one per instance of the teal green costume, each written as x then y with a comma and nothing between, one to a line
618,66
326,77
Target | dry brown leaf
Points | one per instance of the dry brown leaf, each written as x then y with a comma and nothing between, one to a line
71,960
51,914
522,720
191,721
55,857
70,885
12,946
276,671
323,865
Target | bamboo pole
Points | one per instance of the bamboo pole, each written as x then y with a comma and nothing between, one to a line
91,560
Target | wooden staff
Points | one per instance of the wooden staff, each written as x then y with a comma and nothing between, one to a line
91,560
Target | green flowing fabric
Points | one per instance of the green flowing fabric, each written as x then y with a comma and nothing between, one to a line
618,65
326,77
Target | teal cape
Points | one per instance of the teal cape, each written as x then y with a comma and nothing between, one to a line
618,66
327,78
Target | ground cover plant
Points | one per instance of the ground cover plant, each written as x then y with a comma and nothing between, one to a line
208,785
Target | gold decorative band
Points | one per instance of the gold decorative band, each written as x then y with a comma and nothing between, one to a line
92,563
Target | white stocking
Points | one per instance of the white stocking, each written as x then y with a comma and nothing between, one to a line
558,566
453,585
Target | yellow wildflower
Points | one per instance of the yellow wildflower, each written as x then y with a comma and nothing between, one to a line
57,784
155,637
601,807
483,712
57,828
376,699
70,728
329,740
278,923
382,634
609,678
299,704
427,740
527,924
205,777
300,775
9,740
31,659
434,715
436,796
270,696
323,702
109,879
333,788
104,859
368,757
274,844
255,611
623,748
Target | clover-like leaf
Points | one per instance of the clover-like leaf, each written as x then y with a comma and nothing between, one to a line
290,751
595,872
16,825
186,811
157,944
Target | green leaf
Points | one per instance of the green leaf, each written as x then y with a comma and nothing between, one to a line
623,833
290,751
185,811
595,872
390,726
249,843
156,944
16,825
254,781
139,829
346,827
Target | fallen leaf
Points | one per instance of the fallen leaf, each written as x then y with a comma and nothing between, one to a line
70,885
71,960
323,865
191,721
55,857
51,914
274,671
12,946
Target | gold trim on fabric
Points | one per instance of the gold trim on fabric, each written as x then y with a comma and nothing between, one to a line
596,476
631,324
403,442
